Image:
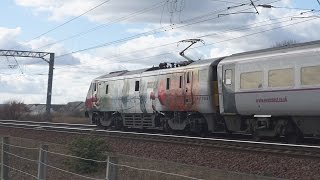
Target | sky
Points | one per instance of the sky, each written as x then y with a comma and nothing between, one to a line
95,37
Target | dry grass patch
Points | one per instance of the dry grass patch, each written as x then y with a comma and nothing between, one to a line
60,118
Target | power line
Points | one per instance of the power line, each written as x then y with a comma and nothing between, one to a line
290,8
247,35
238,28
225,1
154,31
50,30
128,60
142,11
280,27
214,12
252,34
206,35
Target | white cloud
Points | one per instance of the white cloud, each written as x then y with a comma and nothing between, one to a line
154,11
7,36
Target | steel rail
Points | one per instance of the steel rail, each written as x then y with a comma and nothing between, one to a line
243,145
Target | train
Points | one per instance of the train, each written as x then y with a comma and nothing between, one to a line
272,92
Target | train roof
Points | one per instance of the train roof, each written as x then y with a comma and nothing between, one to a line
296,46
205,62
272,51
121,73
227,59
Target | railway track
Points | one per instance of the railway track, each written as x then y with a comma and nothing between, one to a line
242,145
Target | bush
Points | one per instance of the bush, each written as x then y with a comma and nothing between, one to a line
88,148
13,110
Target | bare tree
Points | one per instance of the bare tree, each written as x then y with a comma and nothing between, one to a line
13,110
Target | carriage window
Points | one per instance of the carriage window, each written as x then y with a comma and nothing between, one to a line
168,83
251,80
281,77
310,75
228,77
107,88
180,83
94,87
188,77
136,88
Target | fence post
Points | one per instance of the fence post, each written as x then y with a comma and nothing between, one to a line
43,158
4,158
111,169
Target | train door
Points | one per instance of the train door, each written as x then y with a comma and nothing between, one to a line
95,94
137,95
228,88
188,78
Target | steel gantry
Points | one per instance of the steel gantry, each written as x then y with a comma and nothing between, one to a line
45,56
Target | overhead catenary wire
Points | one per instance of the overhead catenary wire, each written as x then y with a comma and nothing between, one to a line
225,1
155,47
15,59
139,12
249,26
105,25
140,58
290,8
214,12
91,9
223,41
243,36
232,29
154,31
211,34
69,21
256,33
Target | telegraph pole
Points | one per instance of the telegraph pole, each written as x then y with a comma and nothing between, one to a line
49,91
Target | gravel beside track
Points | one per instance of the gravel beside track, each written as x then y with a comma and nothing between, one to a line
224,158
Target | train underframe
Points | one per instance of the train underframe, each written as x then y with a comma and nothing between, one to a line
292,128
167,121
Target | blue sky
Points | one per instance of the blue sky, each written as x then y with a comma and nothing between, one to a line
22,20
308,4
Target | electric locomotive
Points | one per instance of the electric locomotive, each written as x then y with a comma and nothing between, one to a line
271,92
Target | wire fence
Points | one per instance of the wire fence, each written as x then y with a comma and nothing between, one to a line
13,161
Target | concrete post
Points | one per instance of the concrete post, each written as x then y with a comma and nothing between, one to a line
4,158
112,170
43,159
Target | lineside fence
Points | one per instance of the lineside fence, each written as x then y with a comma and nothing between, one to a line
38,162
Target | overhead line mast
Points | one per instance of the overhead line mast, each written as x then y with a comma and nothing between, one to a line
41,55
